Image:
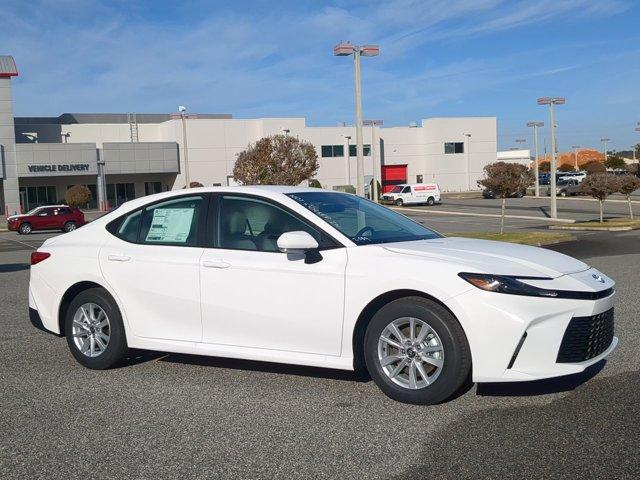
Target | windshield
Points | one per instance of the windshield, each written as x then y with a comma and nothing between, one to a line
363,221
33,211
396,189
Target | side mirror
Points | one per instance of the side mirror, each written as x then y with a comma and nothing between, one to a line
296,242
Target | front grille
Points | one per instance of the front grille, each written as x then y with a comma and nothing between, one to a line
586,337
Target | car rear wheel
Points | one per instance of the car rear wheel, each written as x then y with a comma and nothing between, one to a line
431,201
69,227
94,330
399,202
25,229
416,351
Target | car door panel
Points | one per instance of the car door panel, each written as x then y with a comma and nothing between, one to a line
255,296
273,300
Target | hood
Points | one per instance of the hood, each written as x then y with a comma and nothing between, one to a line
10,217
498,258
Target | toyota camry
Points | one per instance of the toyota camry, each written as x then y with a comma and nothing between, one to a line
314,277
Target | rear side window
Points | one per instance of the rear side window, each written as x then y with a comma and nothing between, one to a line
176,221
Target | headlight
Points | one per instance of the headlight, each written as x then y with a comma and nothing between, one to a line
506,284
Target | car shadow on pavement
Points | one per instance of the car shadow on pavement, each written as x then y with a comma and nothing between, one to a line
539,387
13,267
267,367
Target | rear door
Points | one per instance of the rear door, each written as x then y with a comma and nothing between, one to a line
152,262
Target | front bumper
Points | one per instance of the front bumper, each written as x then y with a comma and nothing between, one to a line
496,323
12,226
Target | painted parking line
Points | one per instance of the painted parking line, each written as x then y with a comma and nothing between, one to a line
489,215
18,242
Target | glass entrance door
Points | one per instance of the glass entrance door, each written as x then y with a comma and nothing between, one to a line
118,193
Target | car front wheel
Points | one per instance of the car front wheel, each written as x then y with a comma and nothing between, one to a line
416,351
25,229
399,202
94,330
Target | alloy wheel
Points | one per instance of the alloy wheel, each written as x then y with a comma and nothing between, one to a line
91,330
410,353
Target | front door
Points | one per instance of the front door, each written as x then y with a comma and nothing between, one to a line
152,262
253,295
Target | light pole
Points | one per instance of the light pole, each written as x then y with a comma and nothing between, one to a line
346,49
347,159
575,155
605,141
468,136
183,115
535,126
552,102
376,165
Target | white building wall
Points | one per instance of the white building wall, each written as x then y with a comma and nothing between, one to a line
214,145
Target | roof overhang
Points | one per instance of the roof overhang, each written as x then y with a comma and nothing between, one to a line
8,66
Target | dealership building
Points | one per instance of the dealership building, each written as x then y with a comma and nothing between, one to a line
123,156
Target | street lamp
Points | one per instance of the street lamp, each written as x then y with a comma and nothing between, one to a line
468,135
552,102
575,154
376,165
535,126
183,115
343,50
605,141
347,158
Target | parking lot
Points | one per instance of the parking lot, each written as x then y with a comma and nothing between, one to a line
169,416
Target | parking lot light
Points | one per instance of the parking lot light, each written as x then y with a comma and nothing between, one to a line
575,155
535,126
552,101
345,49
605,141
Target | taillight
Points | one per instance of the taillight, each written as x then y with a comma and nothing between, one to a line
37,257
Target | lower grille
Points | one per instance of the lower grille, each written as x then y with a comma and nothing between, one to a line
586,337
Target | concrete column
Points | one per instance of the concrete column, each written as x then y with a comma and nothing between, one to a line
8,149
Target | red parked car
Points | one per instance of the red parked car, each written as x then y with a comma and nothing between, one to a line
50,217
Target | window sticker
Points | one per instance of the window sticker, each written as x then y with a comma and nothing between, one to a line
170,225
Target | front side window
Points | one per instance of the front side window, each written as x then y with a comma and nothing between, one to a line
454,147
363,221
251,224
406,190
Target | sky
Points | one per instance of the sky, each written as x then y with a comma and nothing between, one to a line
273,58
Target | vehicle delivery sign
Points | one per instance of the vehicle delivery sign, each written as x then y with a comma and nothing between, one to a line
170,225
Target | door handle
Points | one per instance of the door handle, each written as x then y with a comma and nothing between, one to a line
215,264
118,258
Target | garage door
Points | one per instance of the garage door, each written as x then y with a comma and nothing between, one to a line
393,175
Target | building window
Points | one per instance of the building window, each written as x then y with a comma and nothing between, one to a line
32,197
454,147
338,150
327,150
118,193
152,187
419,178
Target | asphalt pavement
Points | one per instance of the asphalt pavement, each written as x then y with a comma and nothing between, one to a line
180,416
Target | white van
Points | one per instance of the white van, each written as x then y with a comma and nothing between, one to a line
405,194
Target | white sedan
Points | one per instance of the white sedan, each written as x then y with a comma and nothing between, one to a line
314,277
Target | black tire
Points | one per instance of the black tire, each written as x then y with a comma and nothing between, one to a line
69,227
456,369
399,202
117,345
431,201
25,229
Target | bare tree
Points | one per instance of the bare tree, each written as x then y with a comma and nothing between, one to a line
600,186
276,160
506,180
594,167
627,185
194,185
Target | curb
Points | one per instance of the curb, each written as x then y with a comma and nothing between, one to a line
491,215
591,229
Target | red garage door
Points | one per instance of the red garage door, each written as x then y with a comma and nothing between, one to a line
393,175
